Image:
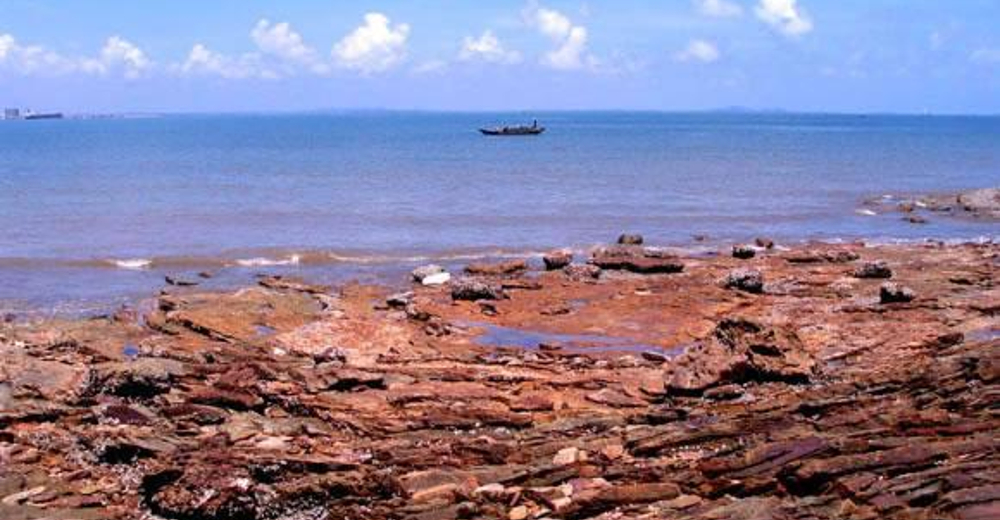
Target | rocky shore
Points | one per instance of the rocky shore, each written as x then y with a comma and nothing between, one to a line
982,204
823,381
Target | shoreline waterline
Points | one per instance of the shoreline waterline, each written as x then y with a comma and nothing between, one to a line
79,288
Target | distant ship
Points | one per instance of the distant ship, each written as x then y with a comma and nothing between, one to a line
50,115
534,129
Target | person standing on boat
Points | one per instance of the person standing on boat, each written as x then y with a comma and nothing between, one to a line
534,124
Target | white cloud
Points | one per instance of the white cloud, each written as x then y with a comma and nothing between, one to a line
202,61
700,51
118,54
280,41
31,59
7,44
375,46
571,40
785,16
718,8
487,48
985,56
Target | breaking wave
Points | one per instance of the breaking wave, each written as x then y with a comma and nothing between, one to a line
133,264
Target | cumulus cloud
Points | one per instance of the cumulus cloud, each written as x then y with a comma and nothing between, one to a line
281,42
718,8
785,16
487,48
28,60
375,46
117,56
202,61
571,40
698,51
985,56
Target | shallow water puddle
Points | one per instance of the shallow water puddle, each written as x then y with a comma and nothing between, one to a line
497,336
984,334
264,330
130,351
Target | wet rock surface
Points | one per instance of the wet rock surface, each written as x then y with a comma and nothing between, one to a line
508,267
981,204
294,401
744,252
558,259
636,259
473,289
630,239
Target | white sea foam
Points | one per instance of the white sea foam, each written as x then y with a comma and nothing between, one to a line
443,257
133,263
269,262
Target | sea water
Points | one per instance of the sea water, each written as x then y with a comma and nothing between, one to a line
95,211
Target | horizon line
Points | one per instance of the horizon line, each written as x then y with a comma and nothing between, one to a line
737,110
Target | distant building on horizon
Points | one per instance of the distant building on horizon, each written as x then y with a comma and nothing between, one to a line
12,113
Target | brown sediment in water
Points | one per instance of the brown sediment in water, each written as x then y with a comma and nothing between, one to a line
811,399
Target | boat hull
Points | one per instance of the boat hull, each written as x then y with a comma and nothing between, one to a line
511,131
36,117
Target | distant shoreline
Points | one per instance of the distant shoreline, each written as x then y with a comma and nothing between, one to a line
112,114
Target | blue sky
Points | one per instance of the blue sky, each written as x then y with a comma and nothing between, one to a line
237,55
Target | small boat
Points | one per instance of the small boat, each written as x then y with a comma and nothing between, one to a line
534,129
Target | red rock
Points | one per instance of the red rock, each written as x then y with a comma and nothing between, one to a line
497,269
636,260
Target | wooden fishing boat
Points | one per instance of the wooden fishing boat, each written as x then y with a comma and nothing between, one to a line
534,129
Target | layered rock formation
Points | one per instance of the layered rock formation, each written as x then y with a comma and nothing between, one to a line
623,395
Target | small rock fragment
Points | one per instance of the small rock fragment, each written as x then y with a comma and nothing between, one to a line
746,280
583,272
471,289
518,513
557,259
874,269
567,456
764,242
494,491
613,451
422,272
683,502
400,300
179,282
744,252
895,293
631,239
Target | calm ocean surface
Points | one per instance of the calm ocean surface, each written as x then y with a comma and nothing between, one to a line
97,211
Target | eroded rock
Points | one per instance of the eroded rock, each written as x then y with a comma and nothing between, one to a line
746,280
558,259
475,289
741,351
874,269
895,293
637,260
